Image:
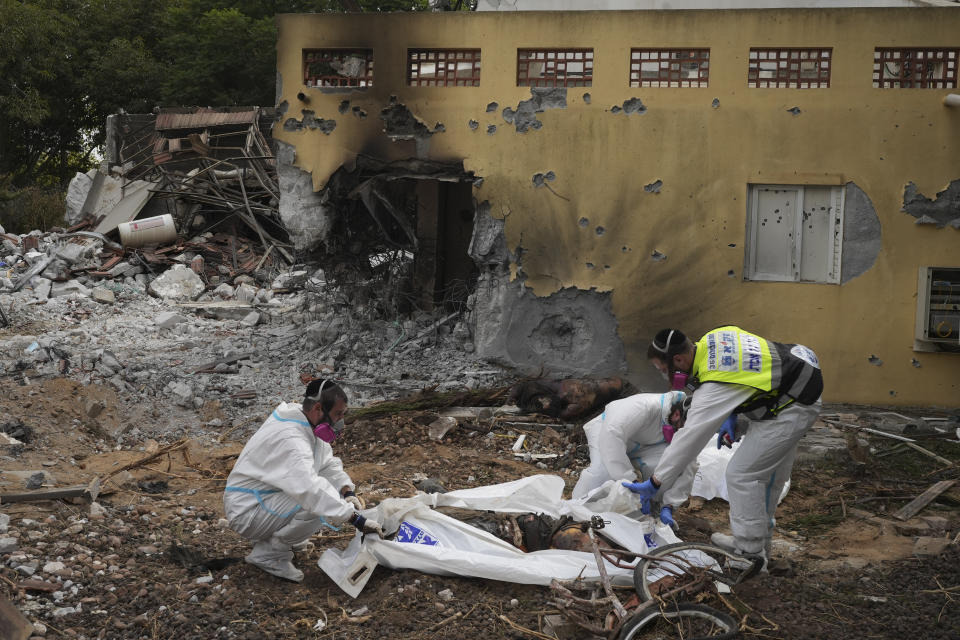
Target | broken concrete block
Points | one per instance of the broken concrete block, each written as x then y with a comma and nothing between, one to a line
251,319
926,546
41,287
168,320
224,291
182,394
245,293
71,253
77,195
440,427
59,289
103,295
178,283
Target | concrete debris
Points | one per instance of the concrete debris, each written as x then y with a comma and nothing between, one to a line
103,295
178,283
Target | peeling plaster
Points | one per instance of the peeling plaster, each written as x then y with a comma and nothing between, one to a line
310,121
942,211
542,98
653,187
400,124
634,105
862,234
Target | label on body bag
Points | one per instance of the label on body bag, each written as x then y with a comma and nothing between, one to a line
415,535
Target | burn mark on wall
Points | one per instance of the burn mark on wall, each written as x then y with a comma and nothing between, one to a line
524,117
310,121
941,211
400,124
653,187
862,234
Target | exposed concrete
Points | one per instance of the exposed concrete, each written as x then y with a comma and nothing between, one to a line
634,105
302,210
524,116
491,129
492,107
400,124
942,211
862,235
310,121
569,332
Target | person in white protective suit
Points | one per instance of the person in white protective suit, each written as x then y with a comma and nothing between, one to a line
287,483
777,386
627,440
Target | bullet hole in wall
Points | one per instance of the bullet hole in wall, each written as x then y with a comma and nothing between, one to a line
583,222
586,98
491,129
657,256
915,363
473,124
874,360
600,231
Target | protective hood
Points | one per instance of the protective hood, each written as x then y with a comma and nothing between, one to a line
667,400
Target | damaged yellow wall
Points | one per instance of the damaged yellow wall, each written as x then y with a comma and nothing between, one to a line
880,139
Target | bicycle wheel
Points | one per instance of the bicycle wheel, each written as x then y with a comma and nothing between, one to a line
687,621
674,564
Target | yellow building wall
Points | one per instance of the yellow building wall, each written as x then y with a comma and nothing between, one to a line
879,139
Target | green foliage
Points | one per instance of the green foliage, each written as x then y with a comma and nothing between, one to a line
32,208
65,65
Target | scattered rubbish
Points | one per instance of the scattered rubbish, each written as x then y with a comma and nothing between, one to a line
440,427
519,443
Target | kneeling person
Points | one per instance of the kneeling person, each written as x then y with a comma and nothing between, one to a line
287,483
626,443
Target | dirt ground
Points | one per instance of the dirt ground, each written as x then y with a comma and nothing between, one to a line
851,570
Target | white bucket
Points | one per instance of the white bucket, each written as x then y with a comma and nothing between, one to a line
139,233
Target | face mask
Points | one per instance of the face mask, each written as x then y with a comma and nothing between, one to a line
328,432
668,431
678,381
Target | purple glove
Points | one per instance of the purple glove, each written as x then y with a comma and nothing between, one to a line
726,436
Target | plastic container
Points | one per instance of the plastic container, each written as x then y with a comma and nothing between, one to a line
139,233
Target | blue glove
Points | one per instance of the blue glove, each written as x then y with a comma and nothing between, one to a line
645,491
666,516
726,436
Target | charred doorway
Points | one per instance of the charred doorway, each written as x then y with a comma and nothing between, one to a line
443,272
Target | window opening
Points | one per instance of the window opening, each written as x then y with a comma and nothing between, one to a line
938,309
915,68
554,67
443,67
669,67
338,67
789,68
794,233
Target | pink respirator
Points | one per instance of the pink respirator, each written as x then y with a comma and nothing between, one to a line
678,382
327,432
668,432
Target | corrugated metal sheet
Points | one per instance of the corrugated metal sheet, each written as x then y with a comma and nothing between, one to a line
203,119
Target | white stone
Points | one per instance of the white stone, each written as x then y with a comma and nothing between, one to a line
224,291
446,594
251,319
245,293
97,511
178,283
77,195
53,567
204,580
4,522
41,287
168,319
8,545
103,295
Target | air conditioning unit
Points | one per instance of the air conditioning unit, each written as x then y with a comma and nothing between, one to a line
938,309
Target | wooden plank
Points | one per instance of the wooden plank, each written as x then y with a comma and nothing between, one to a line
49,494
914,506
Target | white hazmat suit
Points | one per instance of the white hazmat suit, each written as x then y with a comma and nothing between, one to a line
284,487
626,443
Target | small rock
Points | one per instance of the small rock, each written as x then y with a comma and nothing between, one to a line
251,319
514,603
168,320
97,511
54,567
8,545
147,550
204,579
446,595
103,295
